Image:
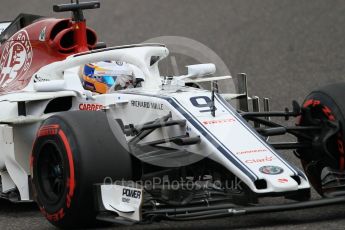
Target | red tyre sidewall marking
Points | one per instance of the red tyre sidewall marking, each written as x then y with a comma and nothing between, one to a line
71,180
328,113
51,130
48,130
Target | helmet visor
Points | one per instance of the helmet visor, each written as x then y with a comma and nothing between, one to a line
109,80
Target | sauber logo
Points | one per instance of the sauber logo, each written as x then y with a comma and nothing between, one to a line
16,59
91,107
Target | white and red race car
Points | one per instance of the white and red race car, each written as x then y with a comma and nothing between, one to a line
159,150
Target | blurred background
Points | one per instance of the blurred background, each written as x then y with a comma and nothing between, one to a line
287,48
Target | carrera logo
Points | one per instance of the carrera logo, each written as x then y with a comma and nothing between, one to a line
16,60
90,107
131,193
259,160
213,122
252,151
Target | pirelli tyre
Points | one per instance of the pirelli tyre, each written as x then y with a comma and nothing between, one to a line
324,106
72,152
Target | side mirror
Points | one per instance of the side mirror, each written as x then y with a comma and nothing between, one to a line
201,70
195,73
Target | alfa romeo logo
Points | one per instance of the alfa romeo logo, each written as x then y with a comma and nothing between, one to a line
271,170
15,60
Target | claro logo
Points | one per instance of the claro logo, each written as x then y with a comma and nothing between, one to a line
131,193
259,160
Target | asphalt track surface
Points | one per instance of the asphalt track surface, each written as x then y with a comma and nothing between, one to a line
287,48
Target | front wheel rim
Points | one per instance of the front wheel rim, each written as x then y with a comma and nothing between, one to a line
51,173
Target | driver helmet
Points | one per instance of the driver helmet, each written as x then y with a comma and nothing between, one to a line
101,76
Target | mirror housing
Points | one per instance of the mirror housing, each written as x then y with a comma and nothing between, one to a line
201,70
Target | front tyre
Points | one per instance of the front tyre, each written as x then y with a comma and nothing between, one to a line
324,106
72,152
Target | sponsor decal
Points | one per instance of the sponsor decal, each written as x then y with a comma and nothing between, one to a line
42,36
16,59
259,160
271,170
147,105
40,79
311,102
283,180
251,151
328,113
131,193
325,109
48,130
220,121
127,194
90,107
55,216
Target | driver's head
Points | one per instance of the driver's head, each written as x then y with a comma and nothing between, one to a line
101,76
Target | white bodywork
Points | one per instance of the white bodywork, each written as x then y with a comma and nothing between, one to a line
3,26
125,201
226,138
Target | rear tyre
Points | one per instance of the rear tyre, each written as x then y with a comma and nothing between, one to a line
72,152
326,104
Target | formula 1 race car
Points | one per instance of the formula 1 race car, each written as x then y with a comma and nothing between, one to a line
164,148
